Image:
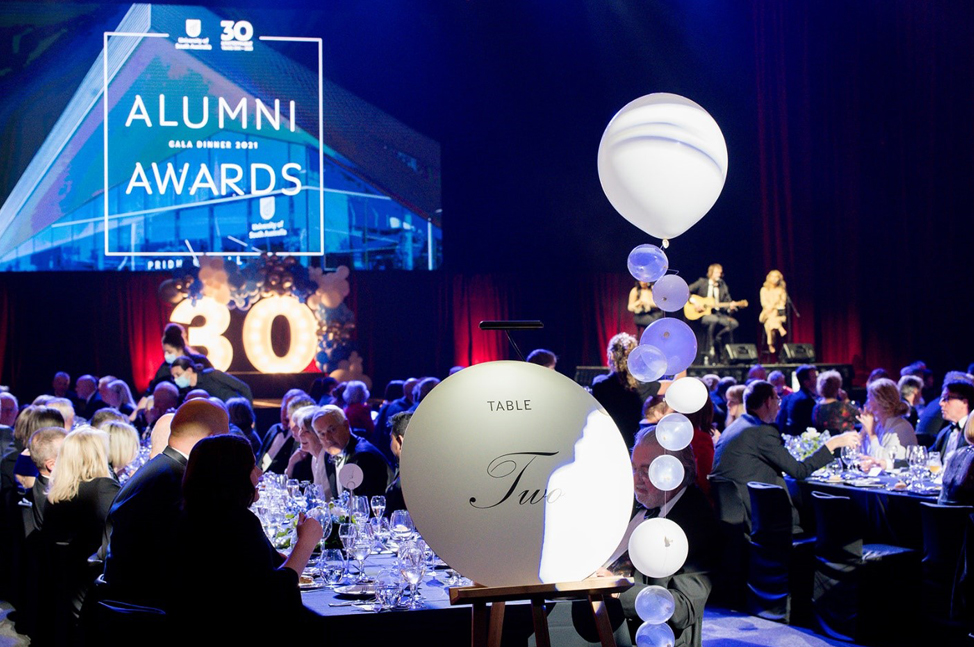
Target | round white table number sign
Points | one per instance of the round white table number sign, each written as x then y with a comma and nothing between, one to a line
514,474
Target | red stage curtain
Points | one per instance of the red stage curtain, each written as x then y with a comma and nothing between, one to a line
605,313
142,317
478,298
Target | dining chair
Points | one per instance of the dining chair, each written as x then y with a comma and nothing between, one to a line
854,583
734,524
943,543
779,574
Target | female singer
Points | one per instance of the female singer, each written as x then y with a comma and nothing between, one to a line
641,305
774,300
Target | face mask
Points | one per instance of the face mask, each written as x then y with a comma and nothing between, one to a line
182,381
170,358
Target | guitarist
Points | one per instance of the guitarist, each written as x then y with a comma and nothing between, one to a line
714,287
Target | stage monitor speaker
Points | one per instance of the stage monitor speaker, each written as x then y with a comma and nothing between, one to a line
798,353
741,353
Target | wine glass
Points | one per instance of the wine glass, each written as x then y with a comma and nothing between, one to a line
381,532
360,509
346,532
412,566
324,518
933,463
850,456
401,525
916,456
332,566
361,549
378,505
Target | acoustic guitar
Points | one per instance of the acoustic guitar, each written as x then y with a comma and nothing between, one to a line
708,304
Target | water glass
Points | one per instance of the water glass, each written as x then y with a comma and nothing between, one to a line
332,566
378,503
387,589
402,525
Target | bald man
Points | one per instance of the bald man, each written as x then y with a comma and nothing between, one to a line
143,517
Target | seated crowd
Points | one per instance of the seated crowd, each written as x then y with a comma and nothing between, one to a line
112,505
113,498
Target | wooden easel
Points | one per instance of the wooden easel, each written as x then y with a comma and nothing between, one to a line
595,590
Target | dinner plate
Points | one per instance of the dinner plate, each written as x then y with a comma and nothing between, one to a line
313,585
356,591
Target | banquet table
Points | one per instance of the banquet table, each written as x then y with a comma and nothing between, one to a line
890,516
438,624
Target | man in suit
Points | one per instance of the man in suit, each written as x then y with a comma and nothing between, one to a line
955,406
751,449
690,585
88,396
795,414
142,521
346,448
394,500
44,445
9,408
714,287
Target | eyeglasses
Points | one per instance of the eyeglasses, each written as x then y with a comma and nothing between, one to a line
949,396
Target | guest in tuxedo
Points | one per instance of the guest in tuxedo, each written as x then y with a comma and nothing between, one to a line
174,345
9,408
88,396
187,374
394,499
885,432
144,515
795,415
80,495
219,486
619,392
690,585
714,287
44,445
285,421
955,407
958,481
278,445
751,449
345,448
61,387
165,398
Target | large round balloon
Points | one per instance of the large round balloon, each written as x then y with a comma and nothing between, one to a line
647,263
658,547
671,293
646,363
662,163
686,395
502,468
675,339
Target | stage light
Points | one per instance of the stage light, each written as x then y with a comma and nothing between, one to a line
210,335
257,335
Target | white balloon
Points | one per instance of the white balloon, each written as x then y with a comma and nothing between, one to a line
674,431
671,293
655,635
658,547
662,163
686,395
655,605
666,472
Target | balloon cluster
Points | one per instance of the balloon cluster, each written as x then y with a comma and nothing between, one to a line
240,287
662,163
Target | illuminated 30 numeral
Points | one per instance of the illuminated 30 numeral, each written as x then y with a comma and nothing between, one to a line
210,335
257,335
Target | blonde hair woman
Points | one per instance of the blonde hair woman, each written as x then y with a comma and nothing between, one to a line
119,396
123,446
80,494
774,300
735,403
618,391
885,432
